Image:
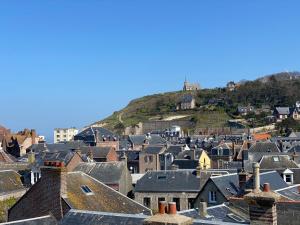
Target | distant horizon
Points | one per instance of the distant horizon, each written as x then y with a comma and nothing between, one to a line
70,63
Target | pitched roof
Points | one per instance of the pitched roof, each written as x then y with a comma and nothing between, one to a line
186,163
153,139
169,181
98,152
221,213
283,110
264,147
292,193
105,172
64,146
44,220
154,149
10,181
174,149
111,200
227,184
187,98
277,162
79,217
88,135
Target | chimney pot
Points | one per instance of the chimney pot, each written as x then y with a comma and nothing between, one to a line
267,187
172,208
162,207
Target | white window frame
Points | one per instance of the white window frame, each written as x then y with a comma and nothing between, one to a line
212,196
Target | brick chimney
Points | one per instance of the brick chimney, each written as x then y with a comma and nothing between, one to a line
170,218
243,179
262,206
53,186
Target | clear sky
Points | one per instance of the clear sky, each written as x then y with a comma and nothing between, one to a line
69,63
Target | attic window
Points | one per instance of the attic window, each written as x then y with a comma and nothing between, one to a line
235,218
86,190
276,159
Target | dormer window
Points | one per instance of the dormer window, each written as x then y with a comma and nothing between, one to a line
276,159
288,176
86,190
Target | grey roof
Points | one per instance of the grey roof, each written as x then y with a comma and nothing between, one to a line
130,154
153,139
45,220
62,156
186,163
295,135
189,154
174,149
98,152
153,149
88,135
64,146
272,177
78,217
10,181
217,213
277,162
187,98
105,172
264,147
169,181
292,192
227,184
283,110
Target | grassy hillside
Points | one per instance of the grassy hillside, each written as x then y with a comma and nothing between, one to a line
214,106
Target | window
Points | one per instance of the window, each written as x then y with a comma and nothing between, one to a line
212,197
146,158
151,158
191,203
161,177
36,176
288,178
147,202
236,218
177,201
86,190
276,159
162,199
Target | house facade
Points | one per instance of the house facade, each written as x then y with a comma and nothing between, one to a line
64,134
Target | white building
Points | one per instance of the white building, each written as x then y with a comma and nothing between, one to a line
64,134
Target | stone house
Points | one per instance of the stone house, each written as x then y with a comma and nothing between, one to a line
150,158
180,186
186,102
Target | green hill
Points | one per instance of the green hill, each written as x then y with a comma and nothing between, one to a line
214,107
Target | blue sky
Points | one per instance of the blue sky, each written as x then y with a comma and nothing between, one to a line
70,63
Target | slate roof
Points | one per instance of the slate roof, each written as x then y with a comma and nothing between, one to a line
103,199
130,154
272,177
10,181
153,149
187,98
140,139
186,163
169,181
277,162
88,135
64,146
45,220
218,213
79,217
228,185
105,172
264,147
283,110
188,154
61,156
16,166
98,152
174,149
292,193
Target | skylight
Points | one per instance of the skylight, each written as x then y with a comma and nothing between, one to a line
86,190
276,159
